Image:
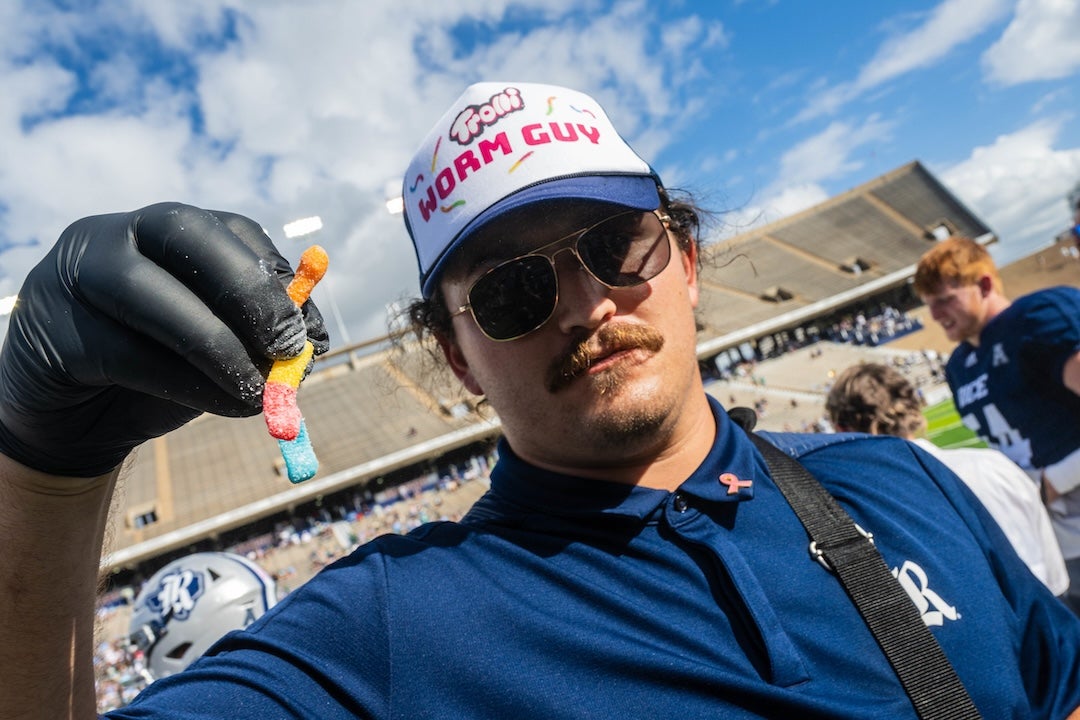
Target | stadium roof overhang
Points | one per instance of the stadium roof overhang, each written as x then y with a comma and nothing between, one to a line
793,318
888,222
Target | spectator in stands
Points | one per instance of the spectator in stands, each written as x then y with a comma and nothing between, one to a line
1015,375
874,398
1073,199
634,557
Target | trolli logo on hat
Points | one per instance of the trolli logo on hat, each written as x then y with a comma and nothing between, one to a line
505,145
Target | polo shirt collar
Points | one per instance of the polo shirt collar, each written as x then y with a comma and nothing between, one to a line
726,475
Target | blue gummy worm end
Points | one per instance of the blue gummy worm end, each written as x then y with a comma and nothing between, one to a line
300,460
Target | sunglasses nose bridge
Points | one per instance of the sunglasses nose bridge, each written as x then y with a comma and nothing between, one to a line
570,244
570,247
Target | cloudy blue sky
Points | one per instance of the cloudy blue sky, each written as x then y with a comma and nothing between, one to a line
286,109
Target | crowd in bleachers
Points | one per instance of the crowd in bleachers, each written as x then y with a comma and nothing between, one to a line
120,671
864,325
298,547
787,390
888,323
297,550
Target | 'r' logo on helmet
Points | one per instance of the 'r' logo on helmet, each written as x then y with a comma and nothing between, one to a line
176,594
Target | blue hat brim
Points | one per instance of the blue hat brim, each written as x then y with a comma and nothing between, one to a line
634,192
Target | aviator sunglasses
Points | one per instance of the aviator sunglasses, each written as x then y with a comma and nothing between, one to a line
519,295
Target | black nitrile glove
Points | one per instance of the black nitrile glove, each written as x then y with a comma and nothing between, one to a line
135,323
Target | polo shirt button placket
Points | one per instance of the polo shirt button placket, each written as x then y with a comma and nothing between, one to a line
680,503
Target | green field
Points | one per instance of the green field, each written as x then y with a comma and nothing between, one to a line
944,428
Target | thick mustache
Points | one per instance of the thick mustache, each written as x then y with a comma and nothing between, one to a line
609,339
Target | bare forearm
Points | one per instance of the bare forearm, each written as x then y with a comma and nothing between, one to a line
51,533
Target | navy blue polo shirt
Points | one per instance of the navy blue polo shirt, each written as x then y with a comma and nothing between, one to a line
558,597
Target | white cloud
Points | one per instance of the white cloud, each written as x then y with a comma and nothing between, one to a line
951,23
1017,186
828,154
1059,95
772,207
797,198
692,31
1041,43
948,25
315,107
32,91
302,108
803,170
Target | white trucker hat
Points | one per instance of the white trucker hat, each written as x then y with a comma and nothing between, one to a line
504,145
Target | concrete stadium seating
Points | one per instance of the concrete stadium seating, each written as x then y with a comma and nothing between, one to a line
373,414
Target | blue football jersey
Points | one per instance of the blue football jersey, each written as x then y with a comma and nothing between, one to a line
1009,389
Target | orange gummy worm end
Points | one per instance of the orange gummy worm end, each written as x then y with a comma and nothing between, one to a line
313,264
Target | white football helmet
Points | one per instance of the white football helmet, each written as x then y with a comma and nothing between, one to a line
191,602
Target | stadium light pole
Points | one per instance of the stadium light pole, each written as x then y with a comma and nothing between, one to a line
309,226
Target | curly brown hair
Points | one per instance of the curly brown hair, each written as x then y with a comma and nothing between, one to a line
875,399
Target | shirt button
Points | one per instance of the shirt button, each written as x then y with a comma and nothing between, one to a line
680,503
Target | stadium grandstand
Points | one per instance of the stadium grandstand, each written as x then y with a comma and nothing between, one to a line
379,417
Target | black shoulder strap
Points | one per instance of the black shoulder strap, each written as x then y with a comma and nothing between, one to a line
848,550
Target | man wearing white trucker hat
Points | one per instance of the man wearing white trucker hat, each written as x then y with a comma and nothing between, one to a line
545,167
634,557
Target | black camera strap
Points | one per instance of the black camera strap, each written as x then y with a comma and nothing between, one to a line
843,547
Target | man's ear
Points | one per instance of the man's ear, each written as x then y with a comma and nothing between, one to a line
458,364
689,260
986,285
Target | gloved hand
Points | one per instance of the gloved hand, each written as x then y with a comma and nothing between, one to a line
135,323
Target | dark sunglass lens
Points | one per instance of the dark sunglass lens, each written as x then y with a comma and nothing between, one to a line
514,298
626,250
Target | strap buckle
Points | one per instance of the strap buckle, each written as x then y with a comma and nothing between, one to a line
818,555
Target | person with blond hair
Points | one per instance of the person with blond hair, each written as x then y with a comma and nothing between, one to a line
1015,375
876,399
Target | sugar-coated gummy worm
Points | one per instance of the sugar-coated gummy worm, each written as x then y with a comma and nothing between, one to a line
279,396
283,418
313,264
300,461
